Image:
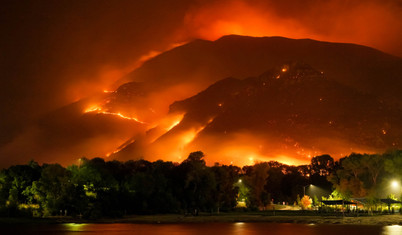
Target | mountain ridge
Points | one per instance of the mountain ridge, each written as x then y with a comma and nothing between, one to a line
187,70
293,106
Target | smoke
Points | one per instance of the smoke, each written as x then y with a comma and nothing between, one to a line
373,23
56,52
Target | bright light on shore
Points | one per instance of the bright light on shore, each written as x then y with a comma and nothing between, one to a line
395,184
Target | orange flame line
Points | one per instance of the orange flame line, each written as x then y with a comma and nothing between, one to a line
99,110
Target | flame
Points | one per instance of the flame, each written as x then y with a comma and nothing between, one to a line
98,110
176,143
121,147
171,123
180,146
125,117
164,126
190,135
93,108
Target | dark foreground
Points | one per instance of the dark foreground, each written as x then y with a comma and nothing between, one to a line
238,228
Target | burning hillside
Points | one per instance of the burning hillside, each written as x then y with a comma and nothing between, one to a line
340,98
290,114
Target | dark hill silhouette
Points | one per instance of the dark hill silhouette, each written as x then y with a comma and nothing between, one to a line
204,62
294,106
362,89
188,69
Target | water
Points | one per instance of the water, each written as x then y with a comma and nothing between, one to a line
201,229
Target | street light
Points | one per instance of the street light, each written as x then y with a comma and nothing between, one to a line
396,187
304,189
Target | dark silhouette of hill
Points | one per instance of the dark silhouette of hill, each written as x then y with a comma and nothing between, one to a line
359,86
67,134
203,62
294,106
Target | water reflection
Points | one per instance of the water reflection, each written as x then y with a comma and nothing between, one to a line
74,227
202,229
224,228
392,230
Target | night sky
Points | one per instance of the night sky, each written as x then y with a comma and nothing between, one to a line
54,53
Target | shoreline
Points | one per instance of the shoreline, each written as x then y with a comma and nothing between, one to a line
223,218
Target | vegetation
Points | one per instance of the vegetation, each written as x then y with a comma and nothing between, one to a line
97,188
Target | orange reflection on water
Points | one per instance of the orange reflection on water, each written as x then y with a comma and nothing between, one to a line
240,228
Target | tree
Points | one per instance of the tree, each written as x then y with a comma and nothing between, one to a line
305,202
393,162
292,182
21,177
199,183
322,165
374,165
274,181
352,165
349,179
256,179
226,192
53,190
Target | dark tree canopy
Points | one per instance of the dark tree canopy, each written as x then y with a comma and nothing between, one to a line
96,188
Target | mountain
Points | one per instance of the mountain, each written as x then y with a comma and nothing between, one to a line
188,69
143,111
69,133
289,113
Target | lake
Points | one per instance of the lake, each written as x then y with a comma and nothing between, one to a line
202,229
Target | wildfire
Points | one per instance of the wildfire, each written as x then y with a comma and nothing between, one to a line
173,125
170,124
121,147
285,68
93,109
190,135
122,116
98,110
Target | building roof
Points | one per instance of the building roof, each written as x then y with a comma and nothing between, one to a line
337,202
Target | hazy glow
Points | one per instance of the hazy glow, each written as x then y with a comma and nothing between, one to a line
356,22
241,18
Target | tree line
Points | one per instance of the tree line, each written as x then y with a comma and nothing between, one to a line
97,188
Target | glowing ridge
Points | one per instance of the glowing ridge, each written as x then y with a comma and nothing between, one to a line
177,122
99,111
121,147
